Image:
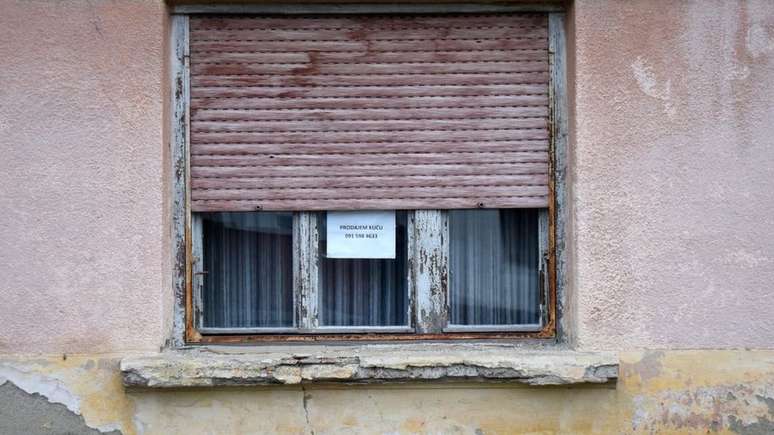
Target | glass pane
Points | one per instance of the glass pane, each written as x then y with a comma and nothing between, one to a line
249,263
493,267
364,292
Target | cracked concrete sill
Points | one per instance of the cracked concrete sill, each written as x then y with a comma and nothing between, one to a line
211,367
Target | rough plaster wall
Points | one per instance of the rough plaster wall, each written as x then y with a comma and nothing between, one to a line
675,392
81,139
674,174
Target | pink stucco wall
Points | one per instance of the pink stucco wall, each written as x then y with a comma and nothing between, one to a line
672,174
81,157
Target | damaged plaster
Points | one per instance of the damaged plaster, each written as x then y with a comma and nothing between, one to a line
672,391
369,364
34,383
88,388
309,391
34,414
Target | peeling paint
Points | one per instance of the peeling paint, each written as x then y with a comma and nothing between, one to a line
759,41
370,365
649,84
660,391
32,414
34,383
88,386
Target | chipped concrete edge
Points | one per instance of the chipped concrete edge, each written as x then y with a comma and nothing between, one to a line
195,368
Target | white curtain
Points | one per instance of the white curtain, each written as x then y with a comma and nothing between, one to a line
365,292
493,267
249,264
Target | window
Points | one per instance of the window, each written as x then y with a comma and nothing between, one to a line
245,274
443,122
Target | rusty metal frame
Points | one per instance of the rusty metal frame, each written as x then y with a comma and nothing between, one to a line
185,329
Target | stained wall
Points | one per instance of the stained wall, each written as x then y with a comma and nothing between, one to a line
671,173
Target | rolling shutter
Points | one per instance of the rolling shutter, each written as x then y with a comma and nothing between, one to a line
369,112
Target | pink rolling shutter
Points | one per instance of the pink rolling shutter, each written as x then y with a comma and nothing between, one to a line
369,112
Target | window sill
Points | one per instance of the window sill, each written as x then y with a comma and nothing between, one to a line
373,363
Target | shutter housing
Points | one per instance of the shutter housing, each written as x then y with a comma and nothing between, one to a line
369,112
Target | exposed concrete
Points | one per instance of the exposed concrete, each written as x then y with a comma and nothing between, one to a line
369,364
86,386
33,414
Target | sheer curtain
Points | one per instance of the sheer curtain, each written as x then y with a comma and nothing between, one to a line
493,267
364,292
249,264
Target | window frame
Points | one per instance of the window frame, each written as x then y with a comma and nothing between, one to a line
427,229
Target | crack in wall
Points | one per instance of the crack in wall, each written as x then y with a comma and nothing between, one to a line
305,400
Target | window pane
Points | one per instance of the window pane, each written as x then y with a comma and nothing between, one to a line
493,267
249,264
364,292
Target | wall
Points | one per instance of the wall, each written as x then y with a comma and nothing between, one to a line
81,110
672,169
673,174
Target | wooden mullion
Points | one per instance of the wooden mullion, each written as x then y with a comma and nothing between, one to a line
558,130
198,274
183,328
306,242
429,255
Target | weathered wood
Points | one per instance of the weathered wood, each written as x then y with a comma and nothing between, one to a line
469,123
345,114
369,96
559,208
225,149
363,91
371,204
326,159
246,42
406,79
197,268
306,242
367,8
373,170
376,34
408,192
383,181
370,103
178,154
429,251
364,68
348,24
324,56
322,136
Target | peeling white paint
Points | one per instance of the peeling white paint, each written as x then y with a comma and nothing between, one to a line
703,406
646,80
52,389
738,71
758,40
746,259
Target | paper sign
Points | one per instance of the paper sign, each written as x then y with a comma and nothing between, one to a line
361,234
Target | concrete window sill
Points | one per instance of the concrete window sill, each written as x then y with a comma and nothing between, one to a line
289,365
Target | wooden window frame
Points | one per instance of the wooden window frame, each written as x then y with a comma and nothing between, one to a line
427,231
